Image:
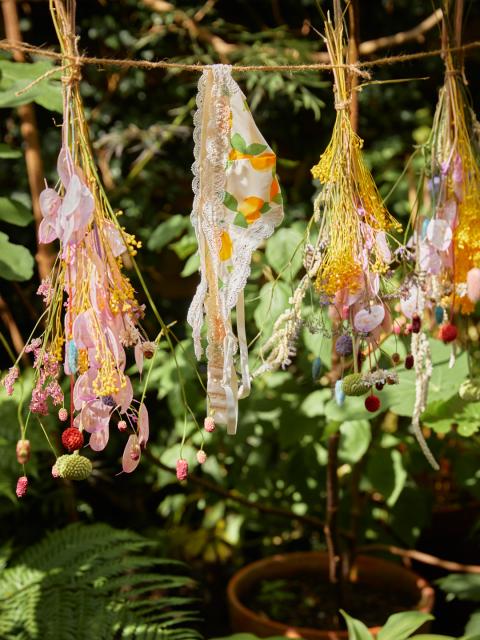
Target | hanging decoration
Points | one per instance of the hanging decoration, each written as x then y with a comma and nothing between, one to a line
348,265
92,315
442,258
237,205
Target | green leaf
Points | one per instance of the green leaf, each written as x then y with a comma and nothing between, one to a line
314,403
387,474
15,77
255,148
168,231
238,143
191,266
15,212
16,262
185,246
248,636
473,624
279,250
278,198
273,301
356,437
434,636
240,221
356,629
230,202
463,586
7,153
400,626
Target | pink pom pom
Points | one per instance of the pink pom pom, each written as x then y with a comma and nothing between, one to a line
62,414
23,451
55,473
201,456
397,329
182,469
209,424
122,425
22,484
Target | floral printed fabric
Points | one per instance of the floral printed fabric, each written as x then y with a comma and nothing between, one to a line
237,205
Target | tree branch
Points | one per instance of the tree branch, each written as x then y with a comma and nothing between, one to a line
29,131
424,558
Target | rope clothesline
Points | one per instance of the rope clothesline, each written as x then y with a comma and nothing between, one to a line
357,68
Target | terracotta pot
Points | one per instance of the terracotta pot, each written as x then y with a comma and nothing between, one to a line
374,571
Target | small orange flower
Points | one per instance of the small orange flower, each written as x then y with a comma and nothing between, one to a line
264,162
274,188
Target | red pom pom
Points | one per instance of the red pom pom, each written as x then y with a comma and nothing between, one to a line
72,439
372,403
448,332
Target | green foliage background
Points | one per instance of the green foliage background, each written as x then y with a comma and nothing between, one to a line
141,125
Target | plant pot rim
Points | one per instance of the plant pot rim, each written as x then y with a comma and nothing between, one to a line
234,591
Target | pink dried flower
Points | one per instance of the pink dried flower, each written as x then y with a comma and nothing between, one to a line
45,290
22,484
54,390
23,451
38,403
33,346
209,424
62,414
135,452
182,469
201,456
10,379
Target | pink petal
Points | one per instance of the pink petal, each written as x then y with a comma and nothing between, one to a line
95,416
65,166
382,246
450,213
415,302
83,330
128,464
72,198
439,234
85,209
50,202
429,260
125,396
99,439
473,284
115,240
368,319
143,426
46,232
138,352
82,391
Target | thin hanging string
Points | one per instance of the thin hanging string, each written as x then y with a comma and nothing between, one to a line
359,68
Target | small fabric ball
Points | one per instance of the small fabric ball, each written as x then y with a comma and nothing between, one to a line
354,385
379,386
372,403
416,323
409,361
23,451
22,484
209,424
201,456
395,358
344,345
182,469
397,329
407,329
448,333
62,414
122,425
72,439
59,464
75,467
136,452
439,315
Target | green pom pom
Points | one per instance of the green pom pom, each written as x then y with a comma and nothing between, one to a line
355,385
74,467
470,390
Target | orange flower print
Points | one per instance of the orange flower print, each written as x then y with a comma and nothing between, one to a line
251,208
226,246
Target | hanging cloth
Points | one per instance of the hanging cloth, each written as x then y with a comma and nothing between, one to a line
237,205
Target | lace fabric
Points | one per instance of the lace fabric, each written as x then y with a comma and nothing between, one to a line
237,205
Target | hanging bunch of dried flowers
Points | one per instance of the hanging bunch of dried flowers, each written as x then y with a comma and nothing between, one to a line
92,314
348,265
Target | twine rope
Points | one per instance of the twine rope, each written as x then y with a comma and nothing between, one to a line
359,68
